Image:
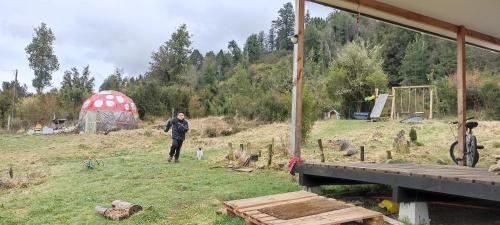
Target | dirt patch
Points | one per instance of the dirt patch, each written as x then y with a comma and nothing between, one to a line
305,208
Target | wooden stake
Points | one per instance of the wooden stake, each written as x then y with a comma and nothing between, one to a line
14,97
230,153
272,143
362,153
241,148
298,63
462,92
249,151
320,144
393,105
389,155
270,155
431,94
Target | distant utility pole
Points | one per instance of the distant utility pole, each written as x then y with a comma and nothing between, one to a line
14,97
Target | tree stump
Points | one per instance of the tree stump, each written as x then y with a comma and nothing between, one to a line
401,145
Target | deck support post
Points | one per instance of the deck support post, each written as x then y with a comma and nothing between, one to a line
461,92
298,63
415,213
313,189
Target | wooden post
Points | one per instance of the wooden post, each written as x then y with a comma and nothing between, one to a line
362,153
393,105
431,101
320,144
298,63
249,150
272,144
8,123
14,97
241,148
230,152
270,155
389,155
462,92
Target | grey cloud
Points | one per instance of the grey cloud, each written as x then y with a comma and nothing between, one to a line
123,33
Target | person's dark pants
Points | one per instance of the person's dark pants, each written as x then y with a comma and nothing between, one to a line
175,149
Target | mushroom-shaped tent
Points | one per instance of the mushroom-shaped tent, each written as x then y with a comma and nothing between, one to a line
107,111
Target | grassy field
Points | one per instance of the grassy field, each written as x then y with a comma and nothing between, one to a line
51,186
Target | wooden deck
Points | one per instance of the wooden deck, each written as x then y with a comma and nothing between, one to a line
408,180
253,210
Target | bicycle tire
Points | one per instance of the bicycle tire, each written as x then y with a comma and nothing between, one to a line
452,152
473,154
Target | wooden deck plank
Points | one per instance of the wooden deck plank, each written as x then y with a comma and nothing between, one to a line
257,207
333,217
445,172
267,199
249,210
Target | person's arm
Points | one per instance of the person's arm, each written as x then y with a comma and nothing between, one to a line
184,126
168,126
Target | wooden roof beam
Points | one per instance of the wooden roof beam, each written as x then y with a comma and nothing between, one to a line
417,17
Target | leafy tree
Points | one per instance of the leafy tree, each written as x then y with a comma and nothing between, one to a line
196,59
271,40
416,63
41,57
262,41
355,73
114,81
223,63
253,48
284,25
6,92
395,40
75,88
172,58
73,79
235,51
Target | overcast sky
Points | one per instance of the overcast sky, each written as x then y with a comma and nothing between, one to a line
122,33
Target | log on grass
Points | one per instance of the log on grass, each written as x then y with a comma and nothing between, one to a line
113,214
130,208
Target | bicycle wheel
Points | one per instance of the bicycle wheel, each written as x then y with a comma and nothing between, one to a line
472,153
452,152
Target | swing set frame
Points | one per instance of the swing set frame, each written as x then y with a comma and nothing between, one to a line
425,90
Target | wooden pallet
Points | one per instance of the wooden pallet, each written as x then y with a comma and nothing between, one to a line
248,209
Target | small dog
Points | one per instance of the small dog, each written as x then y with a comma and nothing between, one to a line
199,154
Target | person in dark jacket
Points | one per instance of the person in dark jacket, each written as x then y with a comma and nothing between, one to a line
179,128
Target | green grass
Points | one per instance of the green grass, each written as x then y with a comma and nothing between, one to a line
60,190
186,193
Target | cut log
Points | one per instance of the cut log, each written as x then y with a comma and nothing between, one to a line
113,214
101,210
130,208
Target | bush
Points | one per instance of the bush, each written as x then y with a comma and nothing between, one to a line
413,135
211,132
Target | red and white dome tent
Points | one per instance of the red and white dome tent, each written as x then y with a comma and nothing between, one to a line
107,111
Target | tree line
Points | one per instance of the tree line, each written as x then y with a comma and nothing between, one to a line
346,58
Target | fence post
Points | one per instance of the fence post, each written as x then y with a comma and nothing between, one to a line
270,154
362,153
320,144
389,155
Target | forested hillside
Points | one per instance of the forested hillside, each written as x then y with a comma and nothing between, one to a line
347,57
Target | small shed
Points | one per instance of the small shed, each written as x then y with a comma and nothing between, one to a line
332,115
